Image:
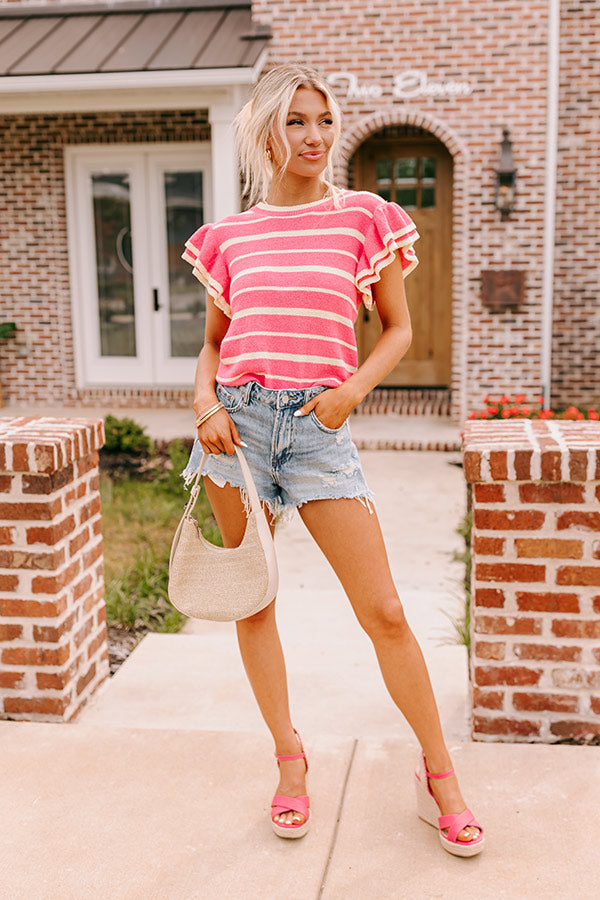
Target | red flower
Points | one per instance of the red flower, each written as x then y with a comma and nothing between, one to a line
486,399
514,411
505,413
504,399
525,411
473,415
519,398
492,411
540,400
592,414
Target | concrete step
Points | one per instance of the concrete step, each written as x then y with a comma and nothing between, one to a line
196,679
107,813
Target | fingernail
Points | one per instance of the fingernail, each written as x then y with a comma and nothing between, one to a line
243,444
298,412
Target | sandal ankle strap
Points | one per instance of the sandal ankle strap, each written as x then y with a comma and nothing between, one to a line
294,756
439,774
301,755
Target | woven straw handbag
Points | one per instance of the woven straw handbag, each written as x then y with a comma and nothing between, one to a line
223,583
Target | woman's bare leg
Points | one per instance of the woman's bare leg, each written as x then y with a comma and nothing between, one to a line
351,540
262,655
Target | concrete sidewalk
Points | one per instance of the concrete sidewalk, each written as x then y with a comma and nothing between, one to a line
161,788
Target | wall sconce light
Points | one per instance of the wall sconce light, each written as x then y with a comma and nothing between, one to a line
506,178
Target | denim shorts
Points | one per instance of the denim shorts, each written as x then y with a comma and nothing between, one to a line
293,459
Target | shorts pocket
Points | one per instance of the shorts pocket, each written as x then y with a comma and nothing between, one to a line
324,428
232,398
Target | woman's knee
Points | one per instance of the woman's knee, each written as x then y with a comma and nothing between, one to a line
385,619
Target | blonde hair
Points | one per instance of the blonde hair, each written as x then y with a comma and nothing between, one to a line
269,106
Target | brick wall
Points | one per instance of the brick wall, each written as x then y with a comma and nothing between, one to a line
535,614
38,364
500,49
53,649
576,358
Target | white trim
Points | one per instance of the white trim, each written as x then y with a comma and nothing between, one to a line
176,89
93,81
550,194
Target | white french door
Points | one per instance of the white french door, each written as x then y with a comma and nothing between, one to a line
138,311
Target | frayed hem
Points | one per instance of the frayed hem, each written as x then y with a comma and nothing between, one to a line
367,500
274,507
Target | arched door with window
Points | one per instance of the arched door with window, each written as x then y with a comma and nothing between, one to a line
414,169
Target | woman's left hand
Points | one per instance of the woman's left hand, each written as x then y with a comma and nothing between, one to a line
332,407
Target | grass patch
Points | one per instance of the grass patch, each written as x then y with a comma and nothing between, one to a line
139,517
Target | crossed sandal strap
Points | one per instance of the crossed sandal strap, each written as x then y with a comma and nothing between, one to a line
283,804
455,822
294,756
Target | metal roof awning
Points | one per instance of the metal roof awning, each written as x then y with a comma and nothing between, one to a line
129,44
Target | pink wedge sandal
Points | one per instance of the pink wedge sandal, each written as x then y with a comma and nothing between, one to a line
429,810
282,804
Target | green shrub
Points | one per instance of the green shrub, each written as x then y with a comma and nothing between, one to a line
126,436
7,329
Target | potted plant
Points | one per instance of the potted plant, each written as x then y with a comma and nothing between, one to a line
7,329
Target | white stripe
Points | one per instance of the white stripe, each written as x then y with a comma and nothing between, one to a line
298,289
272,377
330,270
308,232
392,244
290,357
292,311
295,215
290,334
295,250
213,287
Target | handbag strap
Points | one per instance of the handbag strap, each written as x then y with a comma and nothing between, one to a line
248,479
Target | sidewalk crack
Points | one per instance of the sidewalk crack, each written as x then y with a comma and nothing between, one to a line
337,821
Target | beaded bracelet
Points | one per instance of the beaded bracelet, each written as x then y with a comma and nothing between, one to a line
202,417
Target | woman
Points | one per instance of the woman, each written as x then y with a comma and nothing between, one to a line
278,369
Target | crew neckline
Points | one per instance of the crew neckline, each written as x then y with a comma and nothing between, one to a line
262,204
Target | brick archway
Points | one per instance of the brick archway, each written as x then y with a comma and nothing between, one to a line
364,128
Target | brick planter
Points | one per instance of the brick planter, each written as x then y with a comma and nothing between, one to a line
53,649
535,615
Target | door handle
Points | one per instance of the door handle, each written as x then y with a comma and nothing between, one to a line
155,299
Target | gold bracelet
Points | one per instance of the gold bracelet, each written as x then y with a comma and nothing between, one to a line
202,417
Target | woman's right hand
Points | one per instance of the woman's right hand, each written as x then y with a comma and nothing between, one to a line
219,434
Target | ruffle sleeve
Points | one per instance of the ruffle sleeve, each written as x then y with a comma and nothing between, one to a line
390,229
204,255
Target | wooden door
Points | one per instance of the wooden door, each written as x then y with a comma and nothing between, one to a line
416,174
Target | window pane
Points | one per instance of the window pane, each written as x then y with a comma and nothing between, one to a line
428,167
427,196
405,168
384,192
114,264
407,197
187,298
384,170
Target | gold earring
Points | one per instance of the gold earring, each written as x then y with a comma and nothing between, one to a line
268,153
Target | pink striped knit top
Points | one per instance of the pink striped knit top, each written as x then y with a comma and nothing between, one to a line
292,278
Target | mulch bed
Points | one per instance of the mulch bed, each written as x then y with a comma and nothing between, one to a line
121,642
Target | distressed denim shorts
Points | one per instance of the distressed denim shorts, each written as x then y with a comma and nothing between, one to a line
293,459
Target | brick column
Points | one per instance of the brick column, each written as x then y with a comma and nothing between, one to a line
53,649
535,615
